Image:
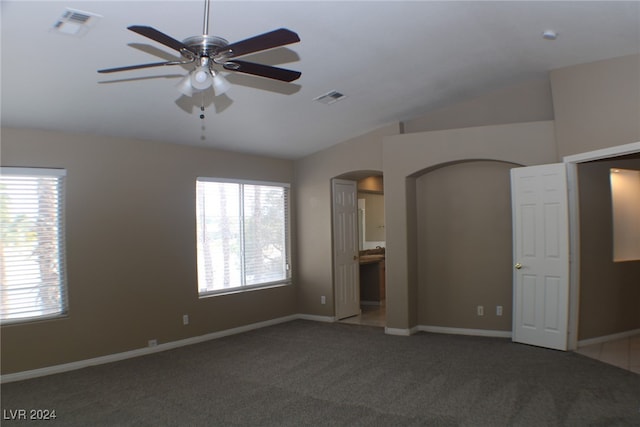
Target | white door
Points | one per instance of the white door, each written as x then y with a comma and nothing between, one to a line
345,248
541,255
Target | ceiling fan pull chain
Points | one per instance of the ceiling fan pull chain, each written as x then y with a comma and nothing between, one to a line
202,107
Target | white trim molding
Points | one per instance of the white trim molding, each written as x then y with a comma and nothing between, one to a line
607,338
604,153
316,318
464,331
401,332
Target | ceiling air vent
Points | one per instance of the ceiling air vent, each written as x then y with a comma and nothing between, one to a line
330,97
75,22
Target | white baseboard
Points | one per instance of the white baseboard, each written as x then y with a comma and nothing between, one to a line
315,318
464,331
606,338
397,331
56,369
401,332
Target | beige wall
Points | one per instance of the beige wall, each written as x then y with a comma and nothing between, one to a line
130,210
529,101
313,188
131,250
609,291
408,156
597,105
426,145
465,246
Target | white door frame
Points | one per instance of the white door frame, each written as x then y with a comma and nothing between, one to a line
574,226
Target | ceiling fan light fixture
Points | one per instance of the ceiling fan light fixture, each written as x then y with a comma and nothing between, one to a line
220,84
201,78
184,86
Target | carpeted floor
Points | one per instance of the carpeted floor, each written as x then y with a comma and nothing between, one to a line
309,373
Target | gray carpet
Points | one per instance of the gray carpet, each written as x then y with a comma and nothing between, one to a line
308,373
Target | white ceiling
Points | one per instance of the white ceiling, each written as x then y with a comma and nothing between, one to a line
394,60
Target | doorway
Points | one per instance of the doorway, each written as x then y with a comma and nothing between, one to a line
345,248
602,293
368,258
580,262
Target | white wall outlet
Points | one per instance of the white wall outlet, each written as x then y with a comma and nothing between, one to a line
480,310
185,319
323,299
498,310
153,343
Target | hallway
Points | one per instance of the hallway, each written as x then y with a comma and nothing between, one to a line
623,353
372,315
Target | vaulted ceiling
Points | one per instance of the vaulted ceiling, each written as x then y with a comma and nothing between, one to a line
394,60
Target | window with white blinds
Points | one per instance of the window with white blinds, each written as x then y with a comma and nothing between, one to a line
242,235
32,254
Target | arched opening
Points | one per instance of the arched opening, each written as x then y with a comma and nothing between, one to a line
464,245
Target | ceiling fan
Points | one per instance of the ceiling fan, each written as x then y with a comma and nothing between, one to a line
207,51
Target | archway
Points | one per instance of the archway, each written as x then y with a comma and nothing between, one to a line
464,246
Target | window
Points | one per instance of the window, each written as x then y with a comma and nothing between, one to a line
242,235
32,263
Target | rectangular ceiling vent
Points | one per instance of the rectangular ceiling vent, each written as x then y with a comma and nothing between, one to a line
330,97
75,22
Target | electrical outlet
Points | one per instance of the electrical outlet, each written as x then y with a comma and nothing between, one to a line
185,319
323,299
153,343
498,310
480,310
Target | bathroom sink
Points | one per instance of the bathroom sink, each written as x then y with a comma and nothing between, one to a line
371,258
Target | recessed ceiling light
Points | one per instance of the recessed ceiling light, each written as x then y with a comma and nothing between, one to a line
549,35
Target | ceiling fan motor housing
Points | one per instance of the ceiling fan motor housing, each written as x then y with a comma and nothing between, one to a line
205,45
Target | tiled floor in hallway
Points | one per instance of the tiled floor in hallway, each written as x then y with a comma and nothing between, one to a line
372,315
624,353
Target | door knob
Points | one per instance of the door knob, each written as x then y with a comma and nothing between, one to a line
518,266
355,257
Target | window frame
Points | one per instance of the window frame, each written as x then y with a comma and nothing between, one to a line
60,174
287,232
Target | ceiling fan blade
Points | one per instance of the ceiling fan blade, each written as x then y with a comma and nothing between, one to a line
137,67
160,37
263,70
260,42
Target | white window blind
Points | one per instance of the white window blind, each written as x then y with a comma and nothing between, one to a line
32,261
242,235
